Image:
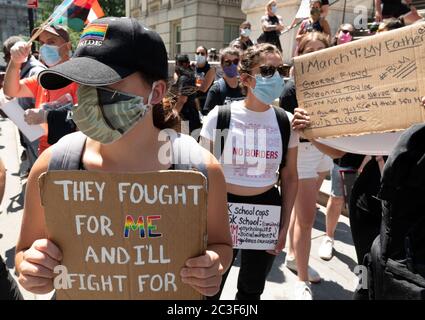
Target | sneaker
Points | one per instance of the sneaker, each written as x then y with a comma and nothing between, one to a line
291,264
326,248
303,291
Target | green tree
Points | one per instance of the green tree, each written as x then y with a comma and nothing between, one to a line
113,8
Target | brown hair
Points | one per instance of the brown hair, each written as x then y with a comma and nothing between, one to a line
245,23
253,56
164,115
312,36
229,51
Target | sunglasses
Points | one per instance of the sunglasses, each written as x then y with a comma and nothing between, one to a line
269,71
347,31
228,63
200,53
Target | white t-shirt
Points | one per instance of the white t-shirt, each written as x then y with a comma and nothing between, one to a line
253,150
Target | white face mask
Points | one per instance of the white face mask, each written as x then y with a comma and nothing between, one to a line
274,9
200,60
245,32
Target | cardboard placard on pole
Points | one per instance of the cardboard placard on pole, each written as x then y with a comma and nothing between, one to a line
372,85
125,236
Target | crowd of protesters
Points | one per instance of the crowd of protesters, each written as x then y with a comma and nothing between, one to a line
53,89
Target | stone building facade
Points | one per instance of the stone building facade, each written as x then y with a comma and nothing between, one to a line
186,24
341,11
13,18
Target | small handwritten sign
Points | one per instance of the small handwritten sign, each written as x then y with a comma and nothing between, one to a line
372,85
254,227
124,236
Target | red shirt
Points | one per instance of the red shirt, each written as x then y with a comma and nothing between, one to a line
42,96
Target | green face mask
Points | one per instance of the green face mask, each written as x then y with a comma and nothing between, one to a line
105,115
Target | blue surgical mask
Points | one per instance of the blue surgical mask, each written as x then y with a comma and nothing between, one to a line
200,60
245,32
274,9
50,55
268,90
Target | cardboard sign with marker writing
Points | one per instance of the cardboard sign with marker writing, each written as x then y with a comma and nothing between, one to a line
371,85
125,236
254,227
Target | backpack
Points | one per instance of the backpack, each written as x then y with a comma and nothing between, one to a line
223,124
67,153
396,262
222,87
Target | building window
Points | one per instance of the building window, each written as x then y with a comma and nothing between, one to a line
176,32
231,32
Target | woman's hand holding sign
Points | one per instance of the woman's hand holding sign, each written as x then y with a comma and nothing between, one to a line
36,270
281,242
203,273
301,119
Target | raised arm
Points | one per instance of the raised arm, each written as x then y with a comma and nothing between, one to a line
326,27
325,10
13,87
378,11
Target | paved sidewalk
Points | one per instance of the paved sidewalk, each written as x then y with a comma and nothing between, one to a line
13,200
338,279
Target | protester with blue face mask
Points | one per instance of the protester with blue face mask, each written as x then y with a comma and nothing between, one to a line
243,42
226,89
272,25
257,156
55,49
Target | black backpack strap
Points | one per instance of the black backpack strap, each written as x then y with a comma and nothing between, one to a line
285,132
222,88
223,124
67,152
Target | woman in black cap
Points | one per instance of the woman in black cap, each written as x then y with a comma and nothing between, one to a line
122,65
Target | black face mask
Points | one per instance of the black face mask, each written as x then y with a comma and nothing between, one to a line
315,11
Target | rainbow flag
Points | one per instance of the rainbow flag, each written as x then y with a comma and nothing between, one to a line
94,32
76,14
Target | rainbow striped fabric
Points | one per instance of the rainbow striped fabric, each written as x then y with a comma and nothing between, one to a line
94,31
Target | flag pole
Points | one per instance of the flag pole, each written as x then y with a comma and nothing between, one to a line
56,14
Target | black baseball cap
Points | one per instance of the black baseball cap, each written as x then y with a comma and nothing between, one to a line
182,58
109,50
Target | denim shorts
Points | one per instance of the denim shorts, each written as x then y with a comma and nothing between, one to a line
337,184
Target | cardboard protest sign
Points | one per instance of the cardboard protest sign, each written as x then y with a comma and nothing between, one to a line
371,85
254,226
124,236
